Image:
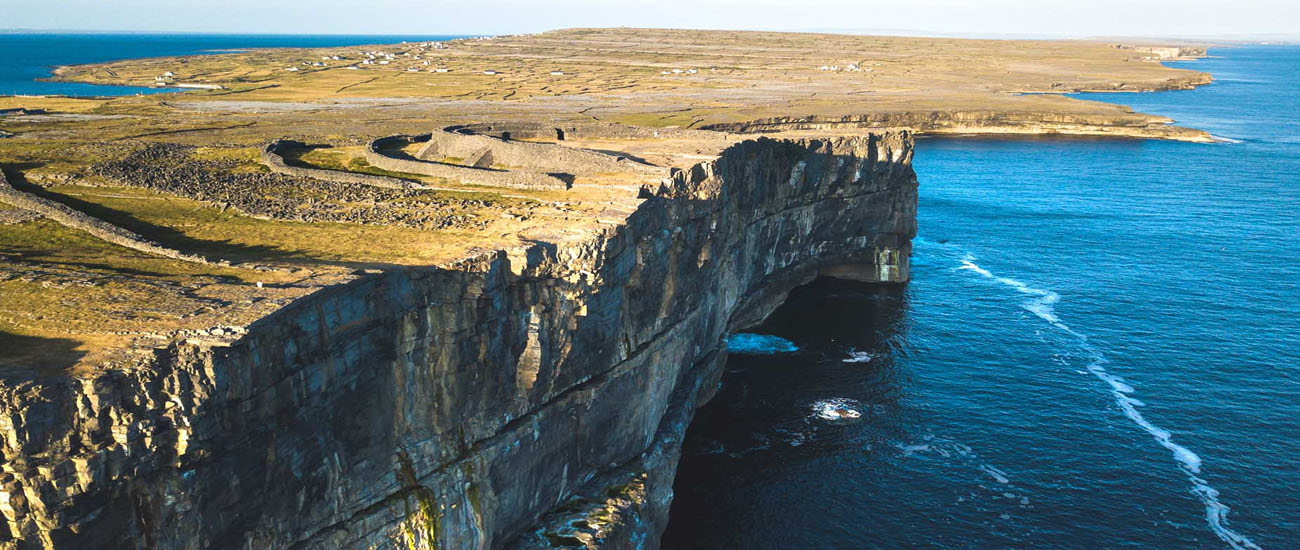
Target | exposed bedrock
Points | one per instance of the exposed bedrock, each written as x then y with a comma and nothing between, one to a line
526,398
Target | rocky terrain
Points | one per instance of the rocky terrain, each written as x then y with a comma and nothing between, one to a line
452,295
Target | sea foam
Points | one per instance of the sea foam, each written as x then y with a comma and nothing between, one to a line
746,343
1042,304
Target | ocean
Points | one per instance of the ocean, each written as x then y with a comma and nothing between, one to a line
1099,349
24,58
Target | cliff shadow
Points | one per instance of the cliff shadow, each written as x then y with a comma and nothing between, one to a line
22,357
779,418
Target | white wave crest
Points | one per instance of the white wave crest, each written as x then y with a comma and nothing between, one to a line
745,343
1041,303
837,408
856,356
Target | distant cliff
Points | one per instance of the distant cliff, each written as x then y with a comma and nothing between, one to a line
1034,123
521,399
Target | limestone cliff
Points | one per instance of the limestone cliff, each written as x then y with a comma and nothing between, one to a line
520,399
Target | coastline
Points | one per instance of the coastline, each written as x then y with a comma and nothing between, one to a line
527,285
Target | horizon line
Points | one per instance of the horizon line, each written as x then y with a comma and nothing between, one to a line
1229,37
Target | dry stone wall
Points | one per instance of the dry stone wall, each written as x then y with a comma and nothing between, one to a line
75,219
374,154
534,157
273,158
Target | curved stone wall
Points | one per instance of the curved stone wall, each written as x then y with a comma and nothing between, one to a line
74,219
570,130
273,158
472,176
534,157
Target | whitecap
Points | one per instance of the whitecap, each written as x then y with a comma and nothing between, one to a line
837,408
746,343
857,357
909,450
997,475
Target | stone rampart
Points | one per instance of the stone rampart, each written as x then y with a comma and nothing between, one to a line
74,219
376,156
534,157
273,158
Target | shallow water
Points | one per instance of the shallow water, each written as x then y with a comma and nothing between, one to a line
24,58
1098,350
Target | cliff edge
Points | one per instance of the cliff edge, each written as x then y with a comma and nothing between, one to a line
487,404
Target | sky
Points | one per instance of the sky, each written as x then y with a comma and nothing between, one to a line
1025,18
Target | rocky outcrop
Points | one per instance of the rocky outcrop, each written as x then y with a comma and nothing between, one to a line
375,154
977,122
482,405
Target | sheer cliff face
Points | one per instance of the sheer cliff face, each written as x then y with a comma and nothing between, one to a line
522,400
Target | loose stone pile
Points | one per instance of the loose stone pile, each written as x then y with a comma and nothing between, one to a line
171,168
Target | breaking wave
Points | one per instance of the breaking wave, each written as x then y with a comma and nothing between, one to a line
1042,303
837,408
856,356
759,344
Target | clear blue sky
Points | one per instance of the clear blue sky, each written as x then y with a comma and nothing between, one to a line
967,17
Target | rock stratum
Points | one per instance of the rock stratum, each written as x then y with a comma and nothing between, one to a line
530,398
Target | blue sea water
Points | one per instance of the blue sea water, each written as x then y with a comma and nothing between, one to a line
1099,349
24,58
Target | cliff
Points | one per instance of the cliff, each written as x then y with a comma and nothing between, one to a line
979,122
524,398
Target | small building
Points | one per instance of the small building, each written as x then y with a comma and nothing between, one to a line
442,70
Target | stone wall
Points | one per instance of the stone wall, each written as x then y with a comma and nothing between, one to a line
374,154
472,407
273,158
560,131
75,219
533,157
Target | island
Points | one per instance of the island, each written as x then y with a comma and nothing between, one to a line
458,294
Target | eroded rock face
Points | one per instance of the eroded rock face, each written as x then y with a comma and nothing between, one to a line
522,399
